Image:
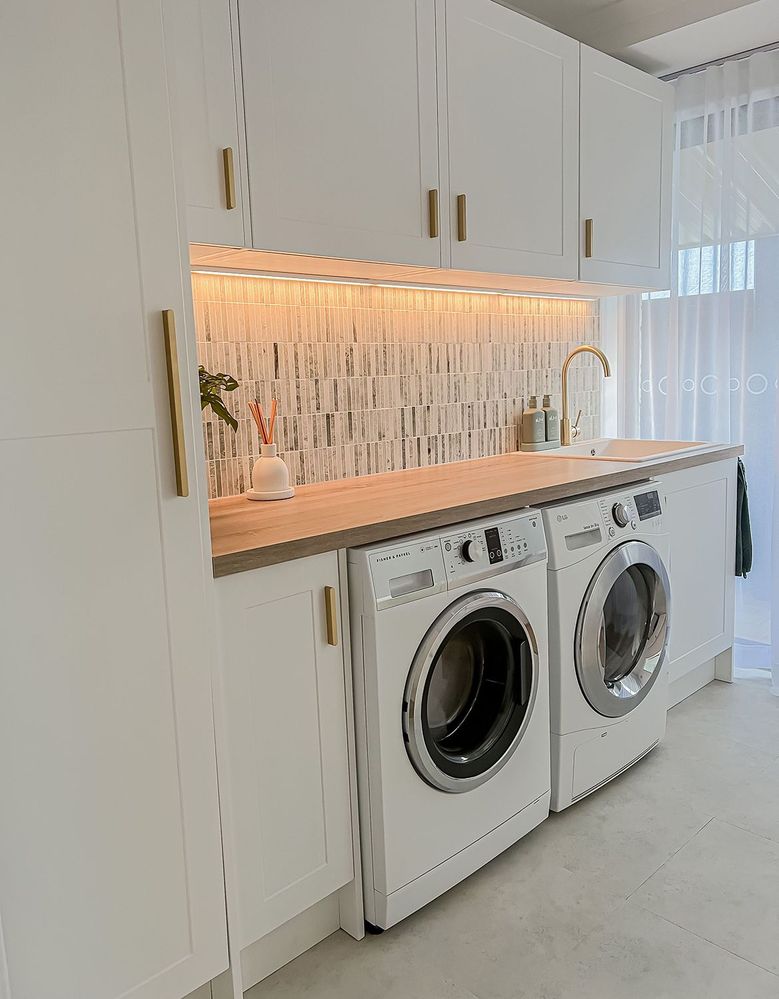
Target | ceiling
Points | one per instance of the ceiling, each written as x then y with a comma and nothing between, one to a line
661,36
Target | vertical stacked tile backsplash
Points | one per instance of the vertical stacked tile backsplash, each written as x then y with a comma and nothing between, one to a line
371,379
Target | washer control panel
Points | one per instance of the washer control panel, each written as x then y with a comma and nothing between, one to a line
427,564
482,550
618,513
576,528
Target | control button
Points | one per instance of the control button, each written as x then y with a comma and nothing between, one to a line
473,551
612,532
634,525
448,546
620,514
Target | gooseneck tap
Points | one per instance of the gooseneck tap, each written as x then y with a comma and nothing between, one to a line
568,432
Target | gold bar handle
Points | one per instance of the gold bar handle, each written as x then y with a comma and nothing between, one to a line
588,237
432,205
331,614
174,393
229,172
462,228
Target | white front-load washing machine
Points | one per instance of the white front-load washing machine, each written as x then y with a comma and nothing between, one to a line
449,639
609,615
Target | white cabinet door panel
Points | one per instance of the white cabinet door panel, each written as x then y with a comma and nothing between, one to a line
626,138
512,96
110,856
204,100
93,861
285,714
701,522
341,123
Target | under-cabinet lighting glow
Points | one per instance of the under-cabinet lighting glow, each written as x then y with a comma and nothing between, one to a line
371,283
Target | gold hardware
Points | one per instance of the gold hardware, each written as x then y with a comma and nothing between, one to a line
331,613
229,172
588,237
567,430
432,205
462,230
174,393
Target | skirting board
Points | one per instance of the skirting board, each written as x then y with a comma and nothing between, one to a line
287,942
718,668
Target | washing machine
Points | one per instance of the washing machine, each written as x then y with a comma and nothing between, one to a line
449,639
609,619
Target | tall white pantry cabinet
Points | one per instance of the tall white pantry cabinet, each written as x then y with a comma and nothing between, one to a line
111,881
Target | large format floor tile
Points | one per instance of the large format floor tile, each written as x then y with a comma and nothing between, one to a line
723,886
754,805
642,956
664,884
743,712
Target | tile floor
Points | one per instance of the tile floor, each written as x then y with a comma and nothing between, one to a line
663,884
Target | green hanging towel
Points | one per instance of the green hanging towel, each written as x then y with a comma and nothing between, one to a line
743,527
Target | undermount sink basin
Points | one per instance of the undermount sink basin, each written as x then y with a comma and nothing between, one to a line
616,449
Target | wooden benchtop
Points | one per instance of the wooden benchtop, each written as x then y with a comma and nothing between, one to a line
331,515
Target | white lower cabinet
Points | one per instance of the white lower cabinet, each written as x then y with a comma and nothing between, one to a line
701,522
286,710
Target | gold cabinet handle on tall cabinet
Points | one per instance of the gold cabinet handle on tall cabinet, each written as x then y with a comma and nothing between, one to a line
462,230
174,394
432,205
229,172
331,615
588,237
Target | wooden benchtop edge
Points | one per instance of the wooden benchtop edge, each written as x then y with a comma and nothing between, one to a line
248,535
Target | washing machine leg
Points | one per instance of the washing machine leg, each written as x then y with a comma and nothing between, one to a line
373,930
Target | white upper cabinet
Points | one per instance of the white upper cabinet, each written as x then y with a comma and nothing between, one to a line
286,758
626,137
439,133
512,92
341,127
111,878
199,38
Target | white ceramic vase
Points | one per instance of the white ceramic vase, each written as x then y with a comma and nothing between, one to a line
270,476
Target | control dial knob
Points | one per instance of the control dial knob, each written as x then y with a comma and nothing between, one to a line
620,514
472,551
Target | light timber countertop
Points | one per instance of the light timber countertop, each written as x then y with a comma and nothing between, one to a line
348,512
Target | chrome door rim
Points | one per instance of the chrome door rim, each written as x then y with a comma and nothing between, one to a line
629,691
413,727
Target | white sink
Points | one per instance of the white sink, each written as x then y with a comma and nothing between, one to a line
616,449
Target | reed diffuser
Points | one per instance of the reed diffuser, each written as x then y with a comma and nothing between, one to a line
270,476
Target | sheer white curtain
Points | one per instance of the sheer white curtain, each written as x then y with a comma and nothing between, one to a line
704,361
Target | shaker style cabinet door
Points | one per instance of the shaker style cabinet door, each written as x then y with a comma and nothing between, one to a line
341,127
700,519
512,91
111,878
199,39
285,737
626,157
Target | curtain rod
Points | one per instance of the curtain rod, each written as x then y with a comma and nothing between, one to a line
770,47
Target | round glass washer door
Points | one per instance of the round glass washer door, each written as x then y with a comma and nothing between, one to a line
470,691
622,631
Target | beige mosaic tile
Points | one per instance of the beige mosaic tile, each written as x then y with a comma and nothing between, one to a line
371,379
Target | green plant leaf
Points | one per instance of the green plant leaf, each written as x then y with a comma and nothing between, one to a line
210,388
